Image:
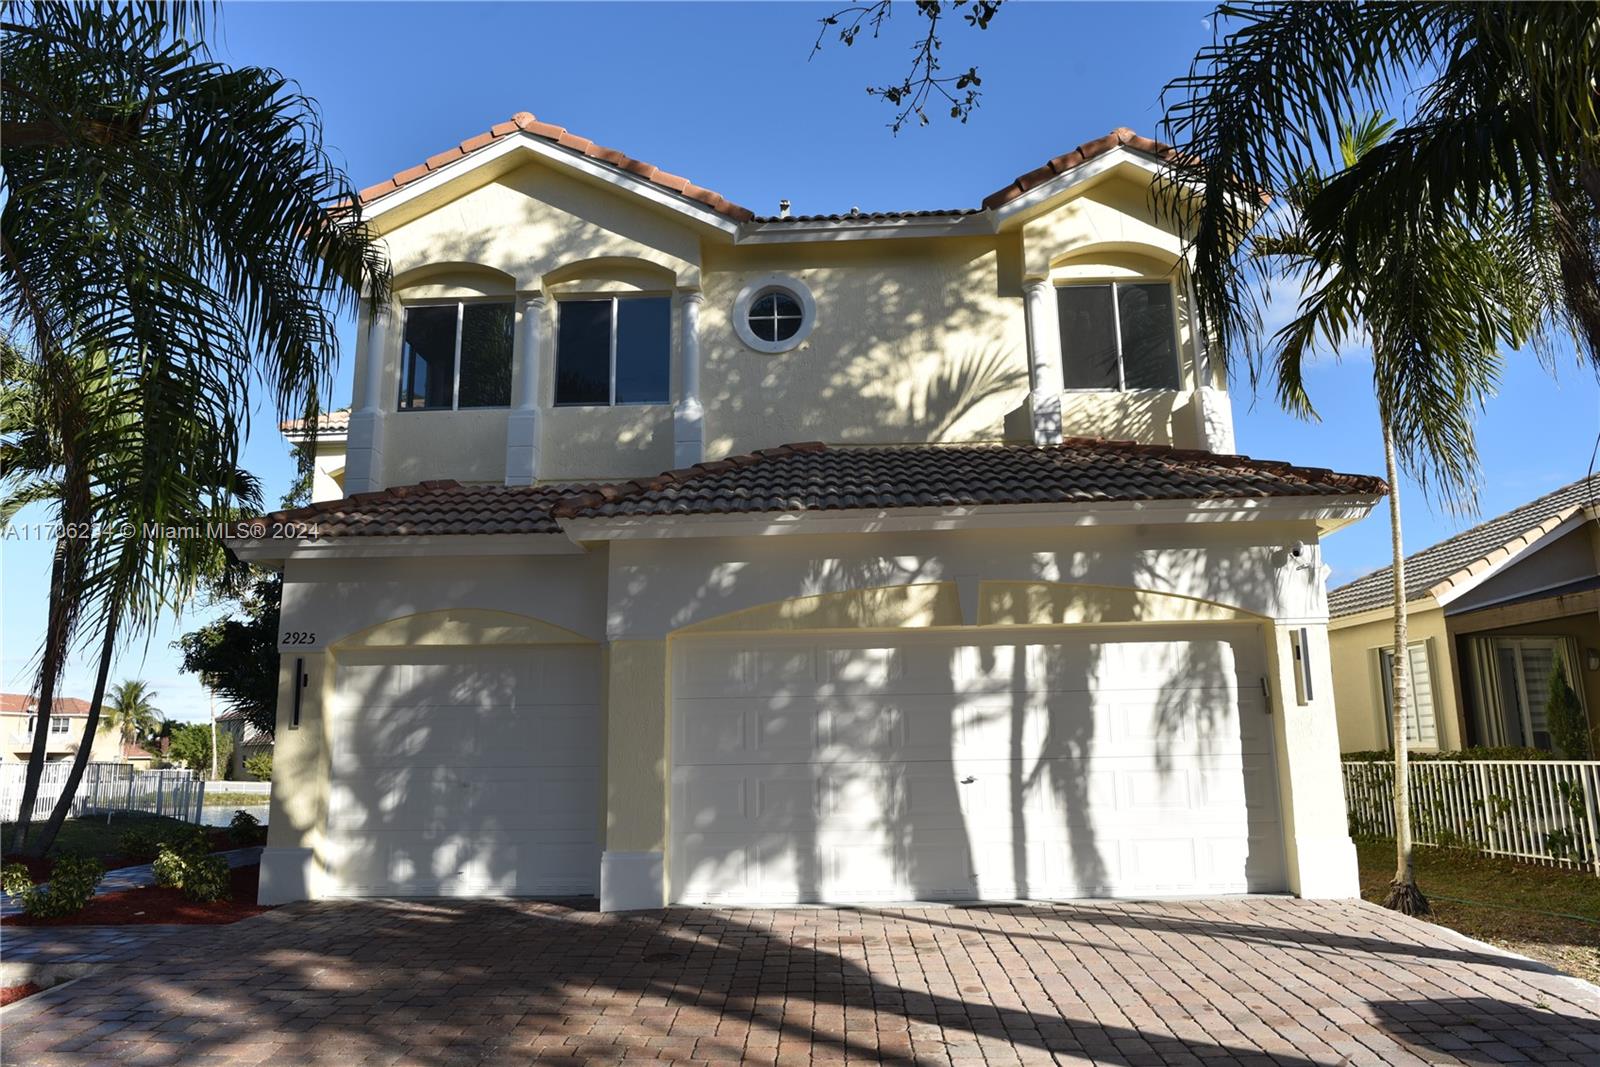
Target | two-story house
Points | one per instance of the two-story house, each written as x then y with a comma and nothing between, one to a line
952,587
19,721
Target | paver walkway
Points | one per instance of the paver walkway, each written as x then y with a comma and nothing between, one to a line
121,878
1267,981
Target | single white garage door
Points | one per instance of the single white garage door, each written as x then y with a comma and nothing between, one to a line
1132,762
466,772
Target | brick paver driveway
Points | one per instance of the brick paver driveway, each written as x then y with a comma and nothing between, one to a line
1260,980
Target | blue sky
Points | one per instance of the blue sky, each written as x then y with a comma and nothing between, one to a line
726,95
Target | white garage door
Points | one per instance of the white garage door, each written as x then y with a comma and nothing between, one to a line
1131,762
466,772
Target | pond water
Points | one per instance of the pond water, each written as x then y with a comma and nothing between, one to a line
220,815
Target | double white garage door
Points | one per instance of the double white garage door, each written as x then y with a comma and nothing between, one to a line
1131,762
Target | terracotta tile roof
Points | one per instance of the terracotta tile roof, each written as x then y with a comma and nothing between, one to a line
1121,137
17,703
327,422
815,477
1435,569
437,507
871,216
523,122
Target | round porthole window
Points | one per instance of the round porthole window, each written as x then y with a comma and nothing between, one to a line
774,314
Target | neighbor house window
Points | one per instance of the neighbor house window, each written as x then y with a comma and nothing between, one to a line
456,356
614,350
58,725
1421,724
1118,336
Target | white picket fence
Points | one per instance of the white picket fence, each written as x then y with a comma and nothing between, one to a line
1544,811
106,788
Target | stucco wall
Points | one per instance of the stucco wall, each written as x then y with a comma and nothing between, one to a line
1358,690
659,586
916,339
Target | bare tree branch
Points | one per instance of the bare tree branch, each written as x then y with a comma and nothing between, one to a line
923,84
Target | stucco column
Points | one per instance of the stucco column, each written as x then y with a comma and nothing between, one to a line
301,771
1044,357
633,866
688,418
522,427
363,462
1320,856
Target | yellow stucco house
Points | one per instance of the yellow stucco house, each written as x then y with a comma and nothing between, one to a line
63,733
1491,611
952,588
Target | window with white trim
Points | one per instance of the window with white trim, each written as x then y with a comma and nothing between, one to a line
1118,335
456,356
58,724
1421,724
613,350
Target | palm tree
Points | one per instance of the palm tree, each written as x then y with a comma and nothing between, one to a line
130,710
178,224
1504,134
1437,304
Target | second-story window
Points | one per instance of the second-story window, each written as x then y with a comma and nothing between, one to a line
1118,336
614,350
456,356
58,725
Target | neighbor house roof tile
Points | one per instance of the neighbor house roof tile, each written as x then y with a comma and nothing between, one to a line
816,477
16,703
327,422
1435,569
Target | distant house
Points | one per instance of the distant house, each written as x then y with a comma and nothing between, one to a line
248,742
1492,611
136,754
19,719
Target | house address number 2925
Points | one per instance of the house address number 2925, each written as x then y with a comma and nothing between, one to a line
298,638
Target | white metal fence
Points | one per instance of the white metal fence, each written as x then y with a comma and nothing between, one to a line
106,787
1545,811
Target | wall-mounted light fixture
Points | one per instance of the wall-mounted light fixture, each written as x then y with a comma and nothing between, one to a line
1300,643
1594,659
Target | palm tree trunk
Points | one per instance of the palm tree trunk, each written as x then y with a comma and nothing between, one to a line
1404,896
49,670
80,760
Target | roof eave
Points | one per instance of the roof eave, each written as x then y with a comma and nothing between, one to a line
1325,511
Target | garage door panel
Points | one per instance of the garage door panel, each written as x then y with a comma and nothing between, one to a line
437,799
465,772
1085,763
394,863
511,735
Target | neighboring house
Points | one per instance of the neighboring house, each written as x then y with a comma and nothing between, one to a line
248,742
326,448
1014,623
136,754
18,721
1491,611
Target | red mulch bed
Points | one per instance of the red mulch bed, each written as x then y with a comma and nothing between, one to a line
13,993
151,905
40,867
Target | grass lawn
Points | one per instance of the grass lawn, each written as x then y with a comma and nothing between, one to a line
222,799
1549,913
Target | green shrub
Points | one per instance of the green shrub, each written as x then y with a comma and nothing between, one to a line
259,767
1480,752
71,884
139,844
207,879
245,830
1569,727
186,863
